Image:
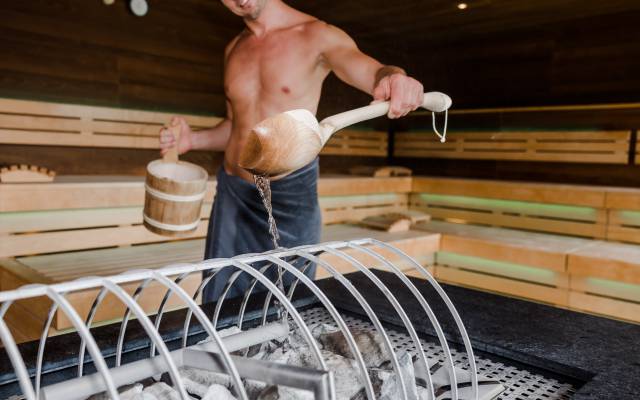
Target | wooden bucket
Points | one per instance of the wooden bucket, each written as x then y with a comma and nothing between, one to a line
174,191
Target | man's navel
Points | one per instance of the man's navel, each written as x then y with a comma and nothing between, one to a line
286,90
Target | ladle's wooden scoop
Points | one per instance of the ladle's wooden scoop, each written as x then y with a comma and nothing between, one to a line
288,141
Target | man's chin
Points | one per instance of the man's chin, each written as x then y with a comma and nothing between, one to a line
252,10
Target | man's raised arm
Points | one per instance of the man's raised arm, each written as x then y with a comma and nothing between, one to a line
383,82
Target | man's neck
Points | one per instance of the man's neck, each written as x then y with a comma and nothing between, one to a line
274,15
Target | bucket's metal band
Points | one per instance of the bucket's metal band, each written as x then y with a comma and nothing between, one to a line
170,227
173,197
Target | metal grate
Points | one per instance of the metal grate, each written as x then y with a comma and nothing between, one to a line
520,384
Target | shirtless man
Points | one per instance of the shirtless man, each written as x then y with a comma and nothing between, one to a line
278,63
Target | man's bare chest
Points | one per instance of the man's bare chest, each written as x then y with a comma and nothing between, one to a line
284,67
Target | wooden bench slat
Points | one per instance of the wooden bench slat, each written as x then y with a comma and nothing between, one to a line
93,193
604,306
517,271
41,123
506,245
36,123
383,199
625,199
529,291
512,207
516,222
606,288
521,136
596,147
613,261
350,186
18,245
356,142
71,139
516,155
578,195
42,221
139,257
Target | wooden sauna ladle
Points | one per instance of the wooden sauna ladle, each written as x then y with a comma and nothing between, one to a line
290,140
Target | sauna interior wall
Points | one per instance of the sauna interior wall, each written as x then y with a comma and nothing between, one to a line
496,54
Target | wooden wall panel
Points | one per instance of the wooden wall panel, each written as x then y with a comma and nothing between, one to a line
522,53
89,53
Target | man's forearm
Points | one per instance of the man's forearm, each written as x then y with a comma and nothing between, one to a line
213,139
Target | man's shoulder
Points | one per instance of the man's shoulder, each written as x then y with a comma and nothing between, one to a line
233,43
325,33
318,27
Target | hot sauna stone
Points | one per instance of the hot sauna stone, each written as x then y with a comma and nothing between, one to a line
369,342
218,392
159,391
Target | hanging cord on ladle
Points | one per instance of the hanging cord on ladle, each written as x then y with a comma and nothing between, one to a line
443,136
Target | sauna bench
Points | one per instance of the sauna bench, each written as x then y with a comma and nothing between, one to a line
556,244
79,226
551,243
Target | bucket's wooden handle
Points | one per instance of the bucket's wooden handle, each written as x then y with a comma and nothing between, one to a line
172,154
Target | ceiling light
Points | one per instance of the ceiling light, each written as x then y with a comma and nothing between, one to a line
462,6
139,7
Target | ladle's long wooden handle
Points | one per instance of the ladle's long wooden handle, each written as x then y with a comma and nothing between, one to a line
433,101
171,156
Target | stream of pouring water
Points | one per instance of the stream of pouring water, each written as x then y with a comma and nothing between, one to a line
264,188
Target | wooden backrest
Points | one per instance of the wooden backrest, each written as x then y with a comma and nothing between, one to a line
42,123
79,214
611,147
587,211
351,142
623,207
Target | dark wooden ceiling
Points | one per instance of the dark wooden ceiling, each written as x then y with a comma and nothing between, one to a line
416,22
502,52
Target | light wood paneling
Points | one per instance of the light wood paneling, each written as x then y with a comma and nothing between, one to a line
105,192
624,226
577,195
604,306
623,199
349,185
605,288
526,290
511,214
506,245
80,213
41,123
336,209
419,245
351,142
611,147
606,260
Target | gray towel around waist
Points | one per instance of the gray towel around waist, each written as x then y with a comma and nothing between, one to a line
238,223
